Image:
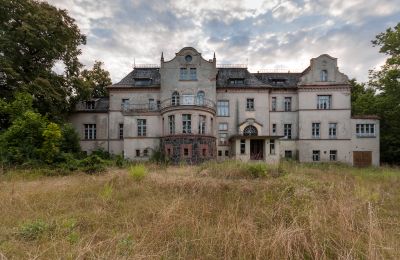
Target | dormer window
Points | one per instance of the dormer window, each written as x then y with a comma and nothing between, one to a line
90,105
278,81
324,75
236,81
142,82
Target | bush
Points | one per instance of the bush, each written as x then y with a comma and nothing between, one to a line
119,161
138,172
257,170
33,230
92,164
103,154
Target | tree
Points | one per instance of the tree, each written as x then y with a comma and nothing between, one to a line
363,99
387,82
95,81
34,36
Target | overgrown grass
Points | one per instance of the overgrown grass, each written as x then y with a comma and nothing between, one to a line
227,210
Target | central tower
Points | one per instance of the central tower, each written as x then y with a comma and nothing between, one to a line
188,97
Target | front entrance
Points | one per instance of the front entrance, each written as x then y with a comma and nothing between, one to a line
362,159
256,149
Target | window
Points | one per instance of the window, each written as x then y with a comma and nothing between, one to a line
287,131
324,102
273,128
193,74
137,153
223,108
125,103
273,104
365,130
226,153
152,104
187,100
219,153
90,131
272,147
202,125
90,105
223,138
142,82
175,99
145,152
288,154
200,98
141,127
324,75
171,124
183,74
315,132
250,104
121,131
204,152
332,130
315,155
236,81
250,130
223,127
185,151
332,155
242,146
288,104
186,123
188,58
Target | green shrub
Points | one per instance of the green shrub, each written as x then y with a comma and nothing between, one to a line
92,164
257,170
33,230
138,172
103,154
119,161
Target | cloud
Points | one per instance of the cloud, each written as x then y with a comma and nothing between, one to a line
264,34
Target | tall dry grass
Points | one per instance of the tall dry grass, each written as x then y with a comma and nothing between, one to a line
188,212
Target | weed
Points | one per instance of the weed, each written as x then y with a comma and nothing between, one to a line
33,230
138,172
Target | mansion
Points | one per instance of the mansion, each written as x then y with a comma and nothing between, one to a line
193,110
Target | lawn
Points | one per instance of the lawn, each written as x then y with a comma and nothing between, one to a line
224,210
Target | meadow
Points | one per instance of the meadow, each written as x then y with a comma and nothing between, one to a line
228,210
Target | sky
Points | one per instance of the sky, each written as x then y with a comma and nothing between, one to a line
265,35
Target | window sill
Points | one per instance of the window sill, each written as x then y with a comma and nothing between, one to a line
250,109
366,136
222,116
188,80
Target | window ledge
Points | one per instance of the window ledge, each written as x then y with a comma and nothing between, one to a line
250,109
366,136
188,80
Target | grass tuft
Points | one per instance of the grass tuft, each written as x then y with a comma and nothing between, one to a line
138,172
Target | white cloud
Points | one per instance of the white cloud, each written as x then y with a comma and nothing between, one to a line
266,34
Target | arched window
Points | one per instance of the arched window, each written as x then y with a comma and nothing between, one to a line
324,75
175,99
200,98
250,130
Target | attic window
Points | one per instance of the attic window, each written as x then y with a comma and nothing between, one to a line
142,82
236,81
188,58
278,81
90,105
324,75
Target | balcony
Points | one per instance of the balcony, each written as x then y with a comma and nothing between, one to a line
187,103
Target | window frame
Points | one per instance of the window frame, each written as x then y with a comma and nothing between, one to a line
250,104
223,110
288,104
365,130
141,127
287,131
242,146
316,130
332,131
171,124
273,104
121,131
333,155
324,104
202,124
186,123
90,131
316,155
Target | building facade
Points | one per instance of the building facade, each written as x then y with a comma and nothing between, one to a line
191,110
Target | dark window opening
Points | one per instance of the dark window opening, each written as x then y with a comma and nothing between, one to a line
143,82
185,151
137,153
239,81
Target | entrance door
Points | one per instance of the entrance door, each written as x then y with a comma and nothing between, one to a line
362,159
256,149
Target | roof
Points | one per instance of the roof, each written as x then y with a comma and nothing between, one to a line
100,105
227,76
140,77
279,79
